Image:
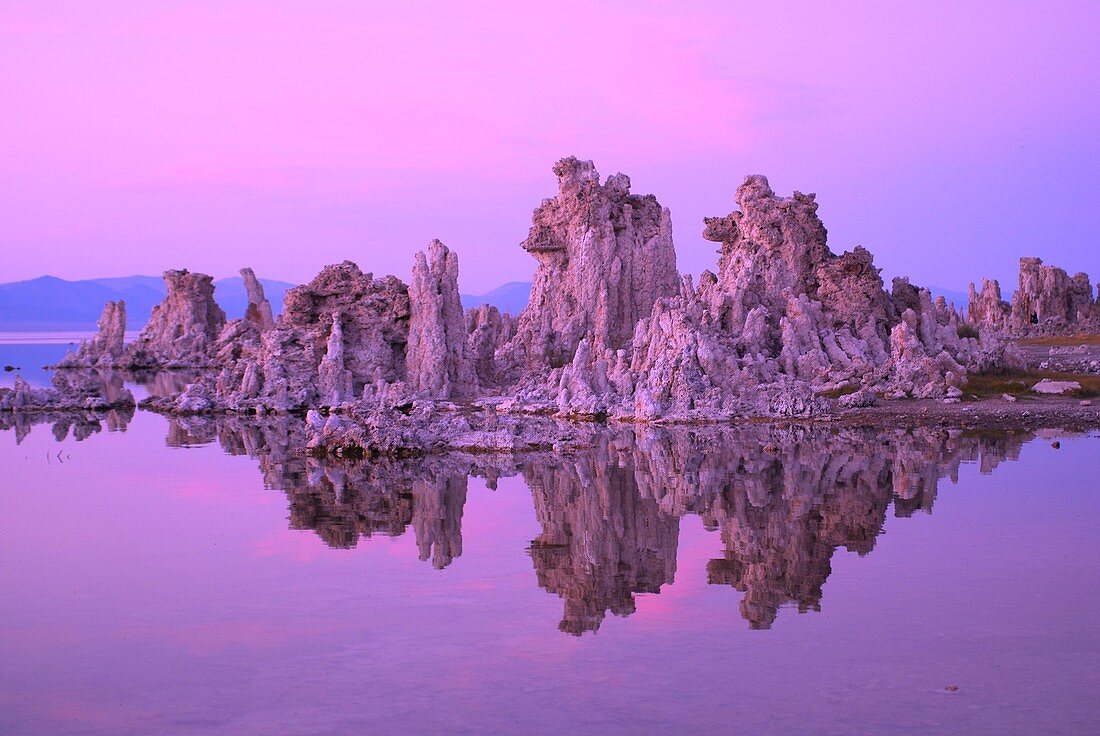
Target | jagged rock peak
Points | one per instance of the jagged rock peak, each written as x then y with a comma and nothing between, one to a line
1047,301
1048,295
605,256
436,360
259,308
183,328
777,241
987,307
106,347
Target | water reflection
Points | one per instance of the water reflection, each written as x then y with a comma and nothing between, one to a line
783,499
80,424
107,383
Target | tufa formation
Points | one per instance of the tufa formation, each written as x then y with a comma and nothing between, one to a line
779,329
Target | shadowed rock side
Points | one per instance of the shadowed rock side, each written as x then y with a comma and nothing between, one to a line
1047,301
487,330
258,311
106,347
611,330
782,499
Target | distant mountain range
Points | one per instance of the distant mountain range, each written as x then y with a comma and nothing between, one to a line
511,297
49,304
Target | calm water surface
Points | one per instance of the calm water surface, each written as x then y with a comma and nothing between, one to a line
206,577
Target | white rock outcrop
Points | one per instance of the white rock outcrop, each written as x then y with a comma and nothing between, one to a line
604,257
436,360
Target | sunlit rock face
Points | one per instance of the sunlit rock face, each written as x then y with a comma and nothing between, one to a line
604,257
437,364
182,329
1047,301
783,320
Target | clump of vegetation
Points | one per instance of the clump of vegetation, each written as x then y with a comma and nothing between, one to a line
836,393
968,330
1019,383
1062,340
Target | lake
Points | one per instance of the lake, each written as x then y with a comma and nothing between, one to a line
207,576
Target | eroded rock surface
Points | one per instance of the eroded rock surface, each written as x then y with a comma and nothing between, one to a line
784,320
437,364
604,257
183,328
1047,301
106,347
611,330
339,335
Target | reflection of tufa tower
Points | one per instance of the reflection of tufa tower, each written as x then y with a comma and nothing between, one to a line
437,518
784,498
792,508
780,551
601,542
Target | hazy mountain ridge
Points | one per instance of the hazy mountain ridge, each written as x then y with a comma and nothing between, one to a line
511,297
48,303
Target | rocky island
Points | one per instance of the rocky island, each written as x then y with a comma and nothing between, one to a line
784,329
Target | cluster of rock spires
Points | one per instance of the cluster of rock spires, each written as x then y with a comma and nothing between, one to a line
612,329
1048,301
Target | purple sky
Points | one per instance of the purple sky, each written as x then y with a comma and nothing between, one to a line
948,138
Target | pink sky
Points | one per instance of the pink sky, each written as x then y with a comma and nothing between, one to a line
948,138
